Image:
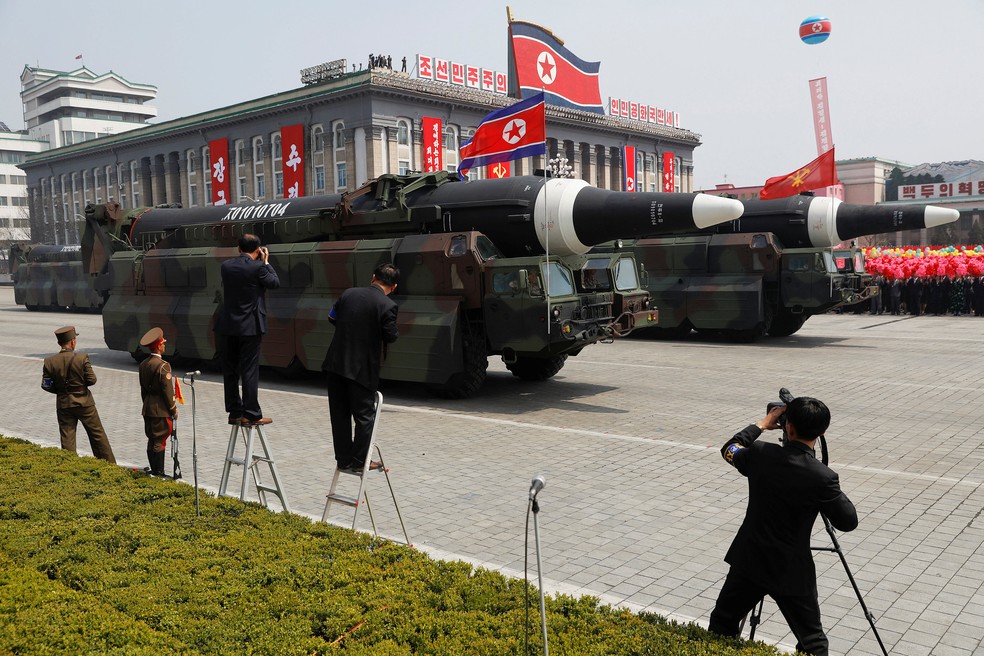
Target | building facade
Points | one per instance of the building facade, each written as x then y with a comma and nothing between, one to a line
15,147
356,127
64,108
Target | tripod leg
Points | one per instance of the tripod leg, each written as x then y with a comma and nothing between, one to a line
867,613
754,618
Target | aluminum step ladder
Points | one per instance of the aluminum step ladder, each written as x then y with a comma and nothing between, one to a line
362,497
251,463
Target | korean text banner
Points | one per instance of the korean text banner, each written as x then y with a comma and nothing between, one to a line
292,145
433,144
218,155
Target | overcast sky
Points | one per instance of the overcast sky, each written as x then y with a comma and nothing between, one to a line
903,75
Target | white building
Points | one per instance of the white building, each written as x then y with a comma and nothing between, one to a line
14,206
65,108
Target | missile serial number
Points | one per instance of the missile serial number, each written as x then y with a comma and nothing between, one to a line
655,213
267,210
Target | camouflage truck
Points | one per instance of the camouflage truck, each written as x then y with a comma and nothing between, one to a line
768,271
49,277
490,267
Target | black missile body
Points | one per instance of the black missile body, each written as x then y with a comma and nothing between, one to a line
811,221
510,211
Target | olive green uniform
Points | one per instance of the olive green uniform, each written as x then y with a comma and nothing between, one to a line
159,409
69,374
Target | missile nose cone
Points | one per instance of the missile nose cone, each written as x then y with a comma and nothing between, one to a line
711,210
939,215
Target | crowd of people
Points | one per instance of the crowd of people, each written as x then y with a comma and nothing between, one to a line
927,280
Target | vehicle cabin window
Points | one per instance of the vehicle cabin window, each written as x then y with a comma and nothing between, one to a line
506,282
800,263
625,274
859,262
458,246
486,249
594,276
559,279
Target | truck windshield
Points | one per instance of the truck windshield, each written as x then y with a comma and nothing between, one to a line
625,274
561,282
594,276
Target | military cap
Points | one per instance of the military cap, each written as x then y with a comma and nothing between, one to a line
65,334
151,337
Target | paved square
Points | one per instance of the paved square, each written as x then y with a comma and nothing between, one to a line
639,508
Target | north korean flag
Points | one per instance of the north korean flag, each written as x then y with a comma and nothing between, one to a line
541,62
506,134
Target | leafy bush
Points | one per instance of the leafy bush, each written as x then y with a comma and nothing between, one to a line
99,559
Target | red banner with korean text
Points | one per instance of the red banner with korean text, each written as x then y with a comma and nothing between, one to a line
292,147
499,170
821,114
218,156
669,171
629,168
433,135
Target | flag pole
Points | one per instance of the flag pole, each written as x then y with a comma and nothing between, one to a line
546,207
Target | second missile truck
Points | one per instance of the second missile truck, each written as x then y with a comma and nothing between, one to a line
771,269
488,267
50,277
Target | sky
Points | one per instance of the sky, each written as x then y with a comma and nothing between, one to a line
902,75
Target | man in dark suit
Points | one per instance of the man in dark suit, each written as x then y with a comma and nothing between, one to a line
69,375
241,325
157,393
365,322
770,555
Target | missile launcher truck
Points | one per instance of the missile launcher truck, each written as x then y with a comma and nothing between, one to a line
488,267
50,277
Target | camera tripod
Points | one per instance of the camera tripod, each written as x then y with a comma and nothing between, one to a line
756,615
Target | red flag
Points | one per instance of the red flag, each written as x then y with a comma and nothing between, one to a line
540,61
821,172
512,132
178,396
78,56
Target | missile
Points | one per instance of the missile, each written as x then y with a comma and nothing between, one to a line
805,221
525,215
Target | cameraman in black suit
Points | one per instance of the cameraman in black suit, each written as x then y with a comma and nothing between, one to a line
365,322
770,555
241,325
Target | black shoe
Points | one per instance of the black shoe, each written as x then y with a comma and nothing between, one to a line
262,421
235,420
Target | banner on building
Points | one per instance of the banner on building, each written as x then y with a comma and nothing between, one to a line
292,145
669,171
218,155
628,168
433,136
500,170
821,114
541,62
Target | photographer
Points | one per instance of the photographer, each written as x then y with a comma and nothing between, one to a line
770,555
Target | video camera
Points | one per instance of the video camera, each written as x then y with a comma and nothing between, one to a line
785,397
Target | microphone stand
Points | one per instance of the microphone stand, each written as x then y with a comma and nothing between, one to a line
189,379
539,570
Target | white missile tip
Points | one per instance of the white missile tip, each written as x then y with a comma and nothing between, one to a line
935,216
711,210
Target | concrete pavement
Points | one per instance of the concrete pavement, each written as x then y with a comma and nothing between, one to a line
639,507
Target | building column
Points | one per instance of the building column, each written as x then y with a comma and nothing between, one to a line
158,183
172,178
601,167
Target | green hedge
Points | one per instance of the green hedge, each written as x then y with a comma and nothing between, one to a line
98,559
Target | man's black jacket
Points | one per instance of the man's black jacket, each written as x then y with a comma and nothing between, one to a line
244,285
364,320
787,487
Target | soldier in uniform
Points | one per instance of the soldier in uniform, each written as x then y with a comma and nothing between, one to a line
68,374
157,391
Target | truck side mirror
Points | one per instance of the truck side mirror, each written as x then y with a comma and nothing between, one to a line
643,276
523,279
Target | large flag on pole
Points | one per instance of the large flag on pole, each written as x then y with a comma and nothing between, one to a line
506,134
821,172
539,61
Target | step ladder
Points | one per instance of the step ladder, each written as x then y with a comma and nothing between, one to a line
251,463
363,496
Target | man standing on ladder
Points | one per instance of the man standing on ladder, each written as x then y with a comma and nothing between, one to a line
241,325
770,555
157,392
365,322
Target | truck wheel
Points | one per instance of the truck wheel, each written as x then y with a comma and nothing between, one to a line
785,324
528,368
467,382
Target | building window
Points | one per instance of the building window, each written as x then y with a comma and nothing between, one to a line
259,186
338,131
451,148
193,195
404,146
317,138
85,187
134,186
192,178
342,176
319,178
278,184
